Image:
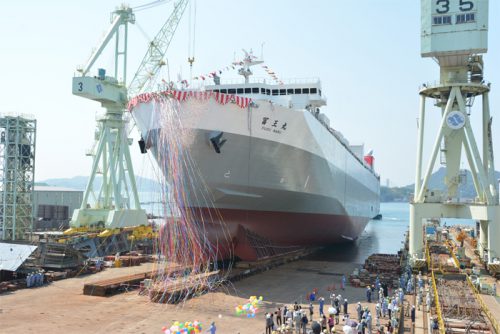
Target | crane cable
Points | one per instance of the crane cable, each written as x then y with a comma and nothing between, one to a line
144,34
146,6
191,37
150,5
194,28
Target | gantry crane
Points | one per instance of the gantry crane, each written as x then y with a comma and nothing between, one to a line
455,34
116,202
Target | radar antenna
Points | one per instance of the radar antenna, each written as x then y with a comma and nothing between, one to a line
248,61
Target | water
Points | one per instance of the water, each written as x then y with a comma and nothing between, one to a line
151,202
380,236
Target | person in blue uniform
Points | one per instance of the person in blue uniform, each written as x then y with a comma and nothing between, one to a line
212,328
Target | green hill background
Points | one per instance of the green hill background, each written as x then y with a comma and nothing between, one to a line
402,194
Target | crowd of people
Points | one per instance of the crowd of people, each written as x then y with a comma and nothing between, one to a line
338,316
35,279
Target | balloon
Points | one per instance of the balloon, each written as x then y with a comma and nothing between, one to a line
250,308
183,328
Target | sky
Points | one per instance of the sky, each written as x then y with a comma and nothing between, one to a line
366,53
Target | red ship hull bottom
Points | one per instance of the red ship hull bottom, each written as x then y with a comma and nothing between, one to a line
240,232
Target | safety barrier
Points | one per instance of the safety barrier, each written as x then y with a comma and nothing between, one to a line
428,256
485,309
438,306
436,295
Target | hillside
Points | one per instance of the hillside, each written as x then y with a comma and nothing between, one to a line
402,194
395,194
80,182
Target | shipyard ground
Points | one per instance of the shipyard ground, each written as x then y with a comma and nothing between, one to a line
61,306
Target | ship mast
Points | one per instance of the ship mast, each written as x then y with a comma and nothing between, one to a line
249,60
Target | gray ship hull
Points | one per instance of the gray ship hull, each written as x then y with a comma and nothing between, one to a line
287,194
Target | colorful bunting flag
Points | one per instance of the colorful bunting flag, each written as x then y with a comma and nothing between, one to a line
182,96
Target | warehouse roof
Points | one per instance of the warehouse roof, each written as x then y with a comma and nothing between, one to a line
12,256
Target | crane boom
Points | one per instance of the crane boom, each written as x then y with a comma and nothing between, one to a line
121,16
153,59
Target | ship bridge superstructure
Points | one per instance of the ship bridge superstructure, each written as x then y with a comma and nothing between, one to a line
295,93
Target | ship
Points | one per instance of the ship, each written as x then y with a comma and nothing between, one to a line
279,177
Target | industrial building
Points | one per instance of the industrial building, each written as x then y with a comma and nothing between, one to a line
17,170
53,206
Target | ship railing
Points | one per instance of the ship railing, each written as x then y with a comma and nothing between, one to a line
344,143
287,81
254,80
437,83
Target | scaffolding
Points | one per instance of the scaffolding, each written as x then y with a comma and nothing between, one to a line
460,309
459,306
17,172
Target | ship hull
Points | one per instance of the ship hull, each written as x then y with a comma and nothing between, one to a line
286,231
277,184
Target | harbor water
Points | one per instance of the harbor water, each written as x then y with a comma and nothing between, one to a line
380,236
